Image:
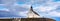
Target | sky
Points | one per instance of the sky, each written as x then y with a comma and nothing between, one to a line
20,8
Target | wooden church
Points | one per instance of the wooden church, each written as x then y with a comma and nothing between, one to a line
31,16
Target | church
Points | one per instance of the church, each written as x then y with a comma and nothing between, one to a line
31,16
32,13
34,16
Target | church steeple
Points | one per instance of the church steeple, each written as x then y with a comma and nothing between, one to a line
32,13
31,9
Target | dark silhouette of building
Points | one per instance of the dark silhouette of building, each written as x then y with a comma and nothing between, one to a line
37,19
28,19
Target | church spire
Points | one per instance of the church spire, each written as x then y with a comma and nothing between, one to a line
32,13
31,8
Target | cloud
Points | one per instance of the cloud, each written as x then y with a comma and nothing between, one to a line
14,8
54,13
4,9
46,7
23,13
48,11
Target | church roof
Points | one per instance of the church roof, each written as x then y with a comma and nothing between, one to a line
34,11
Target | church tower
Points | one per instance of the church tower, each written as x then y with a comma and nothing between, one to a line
32,13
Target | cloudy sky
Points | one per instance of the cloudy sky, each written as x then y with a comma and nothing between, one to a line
20,8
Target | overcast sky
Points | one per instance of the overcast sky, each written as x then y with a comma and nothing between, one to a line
20,8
